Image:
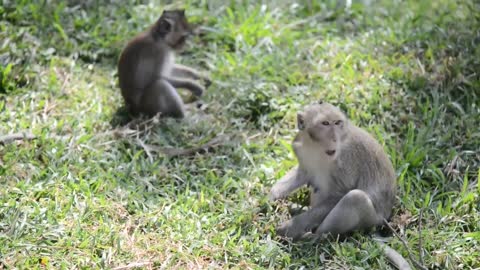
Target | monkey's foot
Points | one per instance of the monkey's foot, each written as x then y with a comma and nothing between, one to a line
290,230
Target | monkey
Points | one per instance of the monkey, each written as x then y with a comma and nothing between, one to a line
351,178
147,72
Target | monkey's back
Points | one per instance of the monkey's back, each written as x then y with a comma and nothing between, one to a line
138,66
363,164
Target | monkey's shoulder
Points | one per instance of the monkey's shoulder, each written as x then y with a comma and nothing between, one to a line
363,157
361,142
143,45
139,49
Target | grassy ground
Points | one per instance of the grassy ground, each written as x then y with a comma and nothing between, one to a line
88,192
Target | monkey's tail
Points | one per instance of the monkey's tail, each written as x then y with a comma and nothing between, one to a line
394,257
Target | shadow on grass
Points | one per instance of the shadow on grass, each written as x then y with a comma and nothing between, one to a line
120,117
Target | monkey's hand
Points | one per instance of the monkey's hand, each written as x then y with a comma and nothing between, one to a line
277,192
294,179
292,229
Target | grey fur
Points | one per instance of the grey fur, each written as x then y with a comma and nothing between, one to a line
147,71
354,188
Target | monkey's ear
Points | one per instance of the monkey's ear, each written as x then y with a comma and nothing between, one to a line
164,25
165,13
300,121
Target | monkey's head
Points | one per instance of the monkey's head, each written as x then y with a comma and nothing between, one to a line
173,28
324,125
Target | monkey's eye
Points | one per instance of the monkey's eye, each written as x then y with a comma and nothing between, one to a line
339,122
300,122
325,123
165,25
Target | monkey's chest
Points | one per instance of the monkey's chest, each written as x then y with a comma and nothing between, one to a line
168,64
319,171
311,161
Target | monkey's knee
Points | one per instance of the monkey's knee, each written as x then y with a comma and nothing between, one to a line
177,112
353,212
357,197
196,89
360,202
172,106
192,86
162,98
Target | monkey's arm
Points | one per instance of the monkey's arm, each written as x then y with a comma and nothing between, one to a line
143,74
190,85
143,66
294,179
187,72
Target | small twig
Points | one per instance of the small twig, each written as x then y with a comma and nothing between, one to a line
204,29
131,129
47,108
166,261
451,167
143,123
303,21
146,148
405,244
420,248
66,80
173,152
4,139
132,265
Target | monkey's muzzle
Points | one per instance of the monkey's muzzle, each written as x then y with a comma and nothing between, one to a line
330,152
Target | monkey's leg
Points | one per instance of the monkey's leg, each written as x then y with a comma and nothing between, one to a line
190,85
161,97
294,179
354,211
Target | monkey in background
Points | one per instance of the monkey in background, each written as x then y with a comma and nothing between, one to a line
352,180
148,75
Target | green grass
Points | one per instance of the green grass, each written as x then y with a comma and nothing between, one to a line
86,194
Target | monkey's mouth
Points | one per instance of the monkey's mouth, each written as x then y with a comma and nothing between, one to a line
181,42
330,152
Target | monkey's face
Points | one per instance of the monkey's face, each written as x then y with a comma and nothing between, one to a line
323,125
173,28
